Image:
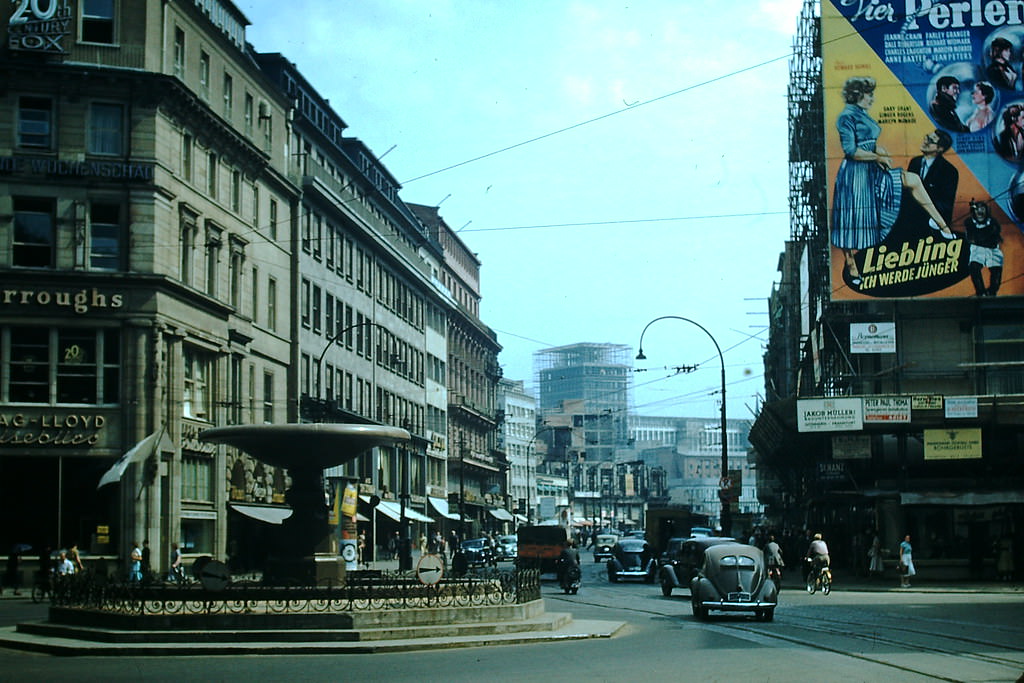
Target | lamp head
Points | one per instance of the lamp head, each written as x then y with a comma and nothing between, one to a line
641,356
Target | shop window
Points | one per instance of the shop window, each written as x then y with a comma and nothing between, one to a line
106,129
197,401
98,21
34,232
197,536
35,122
82,365
105,236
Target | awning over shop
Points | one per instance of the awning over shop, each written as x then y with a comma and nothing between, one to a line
965,498
271,514
440,506
502,514
394,511
522,519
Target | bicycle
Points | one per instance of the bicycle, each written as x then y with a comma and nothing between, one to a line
42,587
819,577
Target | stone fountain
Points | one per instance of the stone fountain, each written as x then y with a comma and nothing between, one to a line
305,450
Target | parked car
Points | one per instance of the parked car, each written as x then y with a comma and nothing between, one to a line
632,558
700,531
507,547
603,545
682,559
478,552
733,578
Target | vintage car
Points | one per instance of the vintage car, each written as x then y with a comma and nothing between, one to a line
632,558
478,552
507,547
733,578
603,544
681,560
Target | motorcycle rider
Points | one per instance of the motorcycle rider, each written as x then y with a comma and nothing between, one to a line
569,557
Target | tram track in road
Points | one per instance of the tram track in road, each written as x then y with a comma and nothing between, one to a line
938,659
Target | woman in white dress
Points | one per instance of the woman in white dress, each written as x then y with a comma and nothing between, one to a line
906,560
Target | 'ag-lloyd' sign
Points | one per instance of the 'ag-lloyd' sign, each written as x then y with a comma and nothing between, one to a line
39,26
829,414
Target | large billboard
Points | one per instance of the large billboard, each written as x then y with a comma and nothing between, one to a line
924,135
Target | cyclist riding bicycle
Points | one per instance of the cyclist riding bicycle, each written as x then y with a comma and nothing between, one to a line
817,553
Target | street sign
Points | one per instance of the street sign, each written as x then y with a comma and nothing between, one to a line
429,569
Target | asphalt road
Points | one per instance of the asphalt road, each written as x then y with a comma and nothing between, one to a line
846,636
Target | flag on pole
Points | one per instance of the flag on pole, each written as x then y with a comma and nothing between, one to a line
136,453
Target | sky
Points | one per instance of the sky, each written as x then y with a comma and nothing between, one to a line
609,163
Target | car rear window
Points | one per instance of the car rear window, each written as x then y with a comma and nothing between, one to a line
739,561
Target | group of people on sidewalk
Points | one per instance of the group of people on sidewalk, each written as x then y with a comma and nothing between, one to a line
817,556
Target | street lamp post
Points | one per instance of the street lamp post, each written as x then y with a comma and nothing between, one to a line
530,467
405,542
726,514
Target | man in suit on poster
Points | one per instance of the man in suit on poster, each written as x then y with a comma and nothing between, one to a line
940,179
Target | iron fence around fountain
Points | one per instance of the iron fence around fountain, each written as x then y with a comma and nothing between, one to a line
360,591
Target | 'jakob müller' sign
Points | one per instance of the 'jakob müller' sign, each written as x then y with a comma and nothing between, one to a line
39,26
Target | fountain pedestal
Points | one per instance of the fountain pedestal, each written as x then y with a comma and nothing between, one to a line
305,450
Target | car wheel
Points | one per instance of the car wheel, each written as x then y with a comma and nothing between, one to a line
700,612
613,577
666,588
769,614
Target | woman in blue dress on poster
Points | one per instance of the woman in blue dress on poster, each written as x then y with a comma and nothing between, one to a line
868,191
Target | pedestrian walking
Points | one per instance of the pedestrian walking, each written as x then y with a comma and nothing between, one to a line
875,566
75,559
12,576
1004,558
906,562
135,563
146,569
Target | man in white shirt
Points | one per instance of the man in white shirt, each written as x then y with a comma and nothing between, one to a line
64,566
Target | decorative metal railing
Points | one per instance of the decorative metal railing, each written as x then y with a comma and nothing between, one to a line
361,591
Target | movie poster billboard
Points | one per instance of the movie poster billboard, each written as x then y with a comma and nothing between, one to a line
924,135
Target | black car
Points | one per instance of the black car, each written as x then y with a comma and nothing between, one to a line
733,578
603,544
632,558
478,552
681,560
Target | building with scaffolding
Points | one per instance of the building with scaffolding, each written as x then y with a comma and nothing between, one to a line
586,386
893,393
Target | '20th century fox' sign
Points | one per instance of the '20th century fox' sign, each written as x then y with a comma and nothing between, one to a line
39,26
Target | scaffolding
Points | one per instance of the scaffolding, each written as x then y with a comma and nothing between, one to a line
588,385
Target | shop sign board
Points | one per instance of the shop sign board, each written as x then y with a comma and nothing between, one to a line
961,407
829,414
952,444
886,409
851,447
873,338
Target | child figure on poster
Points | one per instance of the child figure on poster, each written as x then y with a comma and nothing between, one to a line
983,234
868,190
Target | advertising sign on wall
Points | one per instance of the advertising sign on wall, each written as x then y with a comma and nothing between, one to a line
872,337
924,135
887,409
829,414
952,444
851,447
